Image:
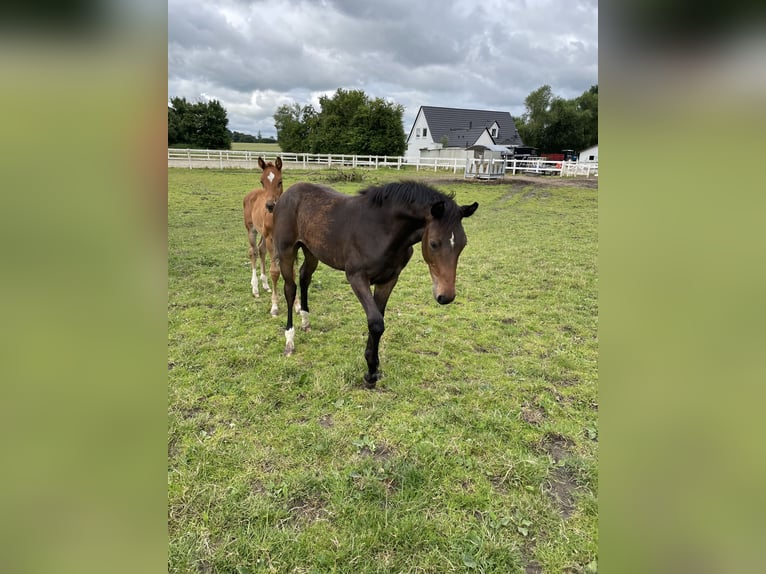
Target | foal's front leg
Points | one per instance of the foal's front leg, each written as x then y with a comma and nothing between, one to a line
375,327
274,273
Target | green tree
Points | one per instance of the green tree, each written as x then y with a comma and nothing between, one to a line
212,132
533,123
348,122
292,123
340,121
201,125
551,123
587,105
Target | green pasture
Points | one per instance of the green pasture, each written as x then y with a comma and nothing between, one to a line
247,146
477,451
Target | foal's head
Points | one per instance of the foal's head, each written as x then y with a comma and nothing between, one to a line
271,181
443,240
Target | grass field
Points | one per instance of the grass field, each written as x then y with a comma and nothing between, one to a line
268,147
476,453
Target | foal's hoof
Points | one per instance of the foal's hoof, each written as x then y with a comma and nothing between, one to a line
370,380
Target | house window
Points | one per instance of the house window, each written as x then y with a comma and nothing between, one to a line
494,132
591,157
425,132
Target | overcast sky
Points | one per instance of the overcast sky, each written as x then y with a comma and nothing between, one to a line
255,55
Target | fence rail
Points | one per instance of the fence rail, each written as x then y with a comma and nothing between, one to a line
478,168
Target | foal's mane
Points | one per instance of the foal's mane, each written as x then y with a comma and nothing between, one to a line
411,193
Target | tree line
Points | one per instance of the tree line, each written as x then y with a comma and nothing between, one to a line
198,125
350,122
551,124
247,138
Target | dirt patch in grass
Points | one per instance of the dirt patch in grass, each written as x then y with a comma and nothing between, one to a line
556,445
172,448
561,484
519,180
561,487
306,510
381,452
190,412
258,488
426,352
536,193
552,181
532,415
326,421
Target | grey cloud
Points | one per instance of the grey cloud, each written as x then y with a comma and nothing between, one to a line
417,53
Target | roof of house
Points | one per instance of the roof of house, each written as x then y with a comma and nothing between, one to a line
463,127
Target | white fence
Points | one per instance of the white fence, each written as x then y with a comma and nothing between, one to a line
538,166
481,169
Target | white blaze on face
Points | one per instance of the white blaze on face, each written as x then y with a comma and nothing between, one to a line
452,240
270,177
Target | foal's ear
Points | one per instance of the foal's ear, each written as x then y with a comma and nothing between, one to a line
278,163
467,210
437,210
261,162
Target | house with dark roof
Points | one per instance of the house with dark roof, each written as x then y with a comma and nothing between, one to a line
455,130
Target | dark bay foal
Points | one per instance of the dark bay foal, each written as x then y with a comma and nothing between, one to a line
369,236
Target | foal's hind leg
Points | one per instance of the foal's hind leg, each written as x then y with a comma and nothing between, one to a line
274,272
310,263
252,254
262,256
286,262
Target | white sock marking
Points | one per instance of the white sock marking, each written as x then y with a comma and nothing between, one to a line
304,319
289,337
254,283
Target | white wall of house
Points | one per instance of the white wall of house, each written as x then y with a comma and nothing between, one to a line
420,137
494,129
485,139
450,152
589,154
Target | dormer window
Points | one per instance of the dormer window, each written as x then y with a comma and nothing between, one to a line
425,132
